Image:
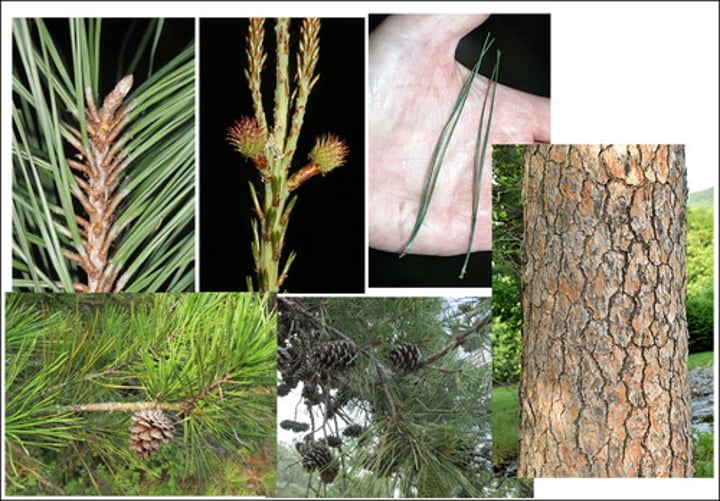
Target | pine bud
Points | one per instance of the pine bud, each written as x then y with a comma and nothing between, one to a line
247,137
328,153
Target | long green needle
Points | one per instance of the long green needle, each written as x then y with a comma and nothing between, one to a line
482,142
442,145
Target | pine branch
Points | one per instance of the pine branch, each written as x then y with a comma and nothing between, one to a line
185,407
272,149
120,407
297,305
459,339
99,167
190,404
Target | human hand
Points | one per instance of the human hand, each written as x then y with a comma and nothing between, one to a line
414,82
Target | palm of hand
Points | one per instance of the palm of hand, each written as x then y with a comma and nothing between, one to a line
412,90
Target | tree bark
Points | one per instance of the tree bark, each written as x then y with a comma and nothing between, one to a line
604,389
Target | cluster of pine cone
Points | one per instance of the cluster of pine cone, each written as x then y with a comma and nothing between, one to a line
305,356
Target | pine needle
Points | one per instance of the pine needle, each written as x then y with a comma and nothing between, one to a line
482,142
442,145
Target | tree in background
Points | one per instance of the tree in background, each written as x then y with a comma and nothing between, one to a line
112,394
507,260
392,397
604,389
700,272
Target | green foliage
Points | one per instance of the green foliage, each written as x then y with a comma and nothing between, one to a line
55,62
75,363
506,329
508,166
506,352
700,271
704,446
505,414
426,431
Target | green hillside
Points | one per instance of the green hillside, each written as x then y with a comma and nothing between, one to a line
701,199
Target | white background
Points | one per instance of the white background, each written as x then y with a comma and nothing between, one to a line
622,72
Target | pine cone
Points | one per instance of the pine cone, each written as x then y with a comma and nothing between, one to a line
406,357
353,430
296,426
150,427
311,394
317,456
332,441
328,474
333,356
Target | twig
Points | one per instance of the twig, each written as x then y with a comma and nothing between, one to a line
183,407
458,339
120,407
190,403
386,391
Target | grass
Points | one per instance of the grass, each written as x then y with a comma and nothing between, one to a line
504,413
704,448
702,359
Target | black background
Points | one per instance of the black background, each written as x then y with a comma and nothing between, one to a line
524,40
327,225
119,40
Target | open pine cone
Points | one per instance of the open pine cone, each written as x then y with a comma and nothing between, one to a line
406,357
317,456
150,427
333,356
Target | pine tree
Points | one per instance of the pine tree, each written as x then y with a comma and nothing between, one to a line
402,406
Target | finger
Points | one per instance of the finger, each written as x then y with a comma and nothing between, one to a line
432,29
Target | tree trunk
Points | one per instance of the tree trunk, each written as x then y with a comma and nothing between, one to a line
604,389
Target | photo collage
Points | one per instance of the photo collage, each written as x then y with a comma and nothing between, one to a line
359,250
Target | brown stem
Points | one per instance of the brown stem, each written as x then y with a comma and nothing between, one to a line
120,407
98,177
187,406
